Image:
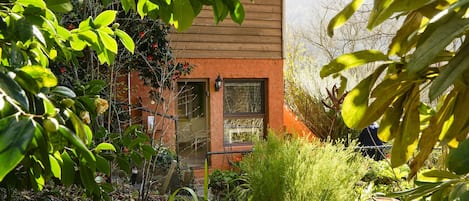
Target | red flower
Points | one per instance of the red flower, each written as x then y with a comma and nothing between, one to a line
70,26
154,45
238,159
185,66
150,57
62,70
141,34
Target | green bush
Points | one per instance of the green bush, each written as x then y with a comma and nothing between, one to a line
294,169
223,182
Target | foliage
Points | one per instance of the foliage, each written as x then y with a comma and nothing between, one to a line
44,128
385,179
426,58
222,183
295,169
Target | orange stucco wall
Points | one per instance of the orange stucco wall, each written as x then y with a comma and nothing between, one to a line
269,69
207,69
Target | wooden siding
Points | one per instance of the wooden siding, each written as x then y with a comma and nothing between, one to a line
260,35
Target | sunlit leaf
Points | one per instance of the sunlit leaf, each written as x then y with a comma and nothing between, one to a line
405,36
26,82
49,108
105,18
406,141
390,122
55,167
343,16
351,60
237,13
108,41
355,104
105,146
461,119
436,176
35,3
390,7
126,40
43,76
430,134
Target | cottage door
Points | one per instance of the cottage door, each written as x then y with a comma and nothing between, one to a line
192,130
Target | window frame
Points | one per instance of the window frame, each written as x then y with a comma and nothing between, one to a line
246,115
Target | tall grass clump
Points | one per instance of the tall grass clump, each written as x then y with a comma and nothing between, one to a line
296,170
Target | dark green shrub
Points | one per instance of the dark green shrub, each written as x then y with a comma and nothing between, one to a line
223,182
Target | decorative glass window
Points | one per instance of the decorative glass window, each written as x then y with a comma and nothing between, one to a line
191,100
244,111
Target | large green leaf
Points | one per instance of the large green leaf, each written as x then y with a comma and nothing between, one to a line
26,82
43,76
453,71
105,147
460,118
108,41
79,127
390,122
59,6
55,167
354,107
103,165
343,16
35,3
183,14
105,18
87,176
49,108
405,37
237,12
433,41
406,141
10,88
126,40
63,91
68,169
220,10
389,7
430,134
128,5
351,60
457,161
15,136
78,144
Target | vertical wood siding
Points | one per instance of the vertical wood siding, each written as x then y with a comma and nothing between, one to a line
260,35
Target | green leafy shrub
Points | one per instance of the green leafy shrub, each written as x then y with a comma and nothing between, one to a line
295,169
385,179
223,182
